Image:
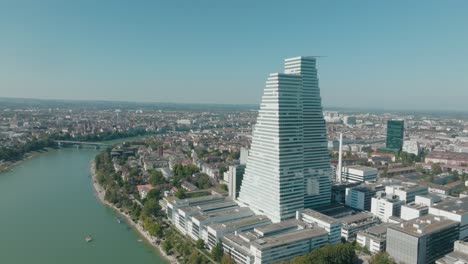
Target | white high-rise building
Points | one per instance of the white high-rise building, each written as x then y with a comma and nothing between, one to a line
288,168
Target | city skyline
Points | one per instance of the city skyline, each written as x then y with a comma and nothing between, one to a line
140,53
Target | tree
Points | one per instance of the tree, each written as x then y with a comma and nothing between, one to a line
167,246
382,258
436,169
156,178
151,207
385,172
195,258
336,254
154,229
224,187
419,168
200,244
217,252
154,194
180,193
226,259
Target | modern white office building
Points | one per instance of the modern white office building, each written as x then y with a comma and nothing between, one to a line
360,197
411,146
456,210
274,243
422,240
288,167
413,210
352,224
330,224
406,191
235,175
357,173
386,206
217,230
373,238
459,255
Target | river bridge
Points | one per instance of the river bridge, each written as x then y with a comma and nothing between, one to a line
79,144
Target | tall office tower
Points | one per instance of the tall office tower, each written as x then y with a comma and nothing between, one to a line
288,166
317,170
395,134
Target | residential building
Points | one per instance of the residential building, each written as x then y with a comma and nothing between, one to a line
288,167
447,158
144,189
422,240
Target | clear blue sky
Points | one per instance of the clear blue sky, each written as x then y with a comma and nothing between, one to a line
385,54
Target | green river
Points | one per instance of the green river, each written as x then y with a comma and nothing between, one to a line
47,207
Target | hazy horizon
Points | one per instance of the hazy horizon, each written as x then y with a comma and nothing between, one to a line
385,55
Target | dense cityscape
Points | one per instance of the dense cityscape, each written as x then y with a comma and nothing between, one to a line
233,132
287,182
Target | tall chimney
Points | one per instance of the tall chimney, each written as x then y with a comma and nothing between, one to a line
340,160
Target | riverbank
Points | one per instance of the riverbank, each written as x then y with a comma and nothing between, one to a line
8,166
100,193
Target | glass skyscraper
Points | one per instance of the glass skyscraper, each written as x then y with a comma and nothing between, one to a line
395,135
288,167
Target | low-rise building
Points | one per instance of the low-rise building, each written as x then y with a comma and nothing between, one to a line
338,190
357,173
330,224
275,242
427,199
459,255
235,175
453,209
386,206
360,197
197,226
413,210
447,158
422,240
144,189
406,191
373,238
217,230
352,224
411,146
184,215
